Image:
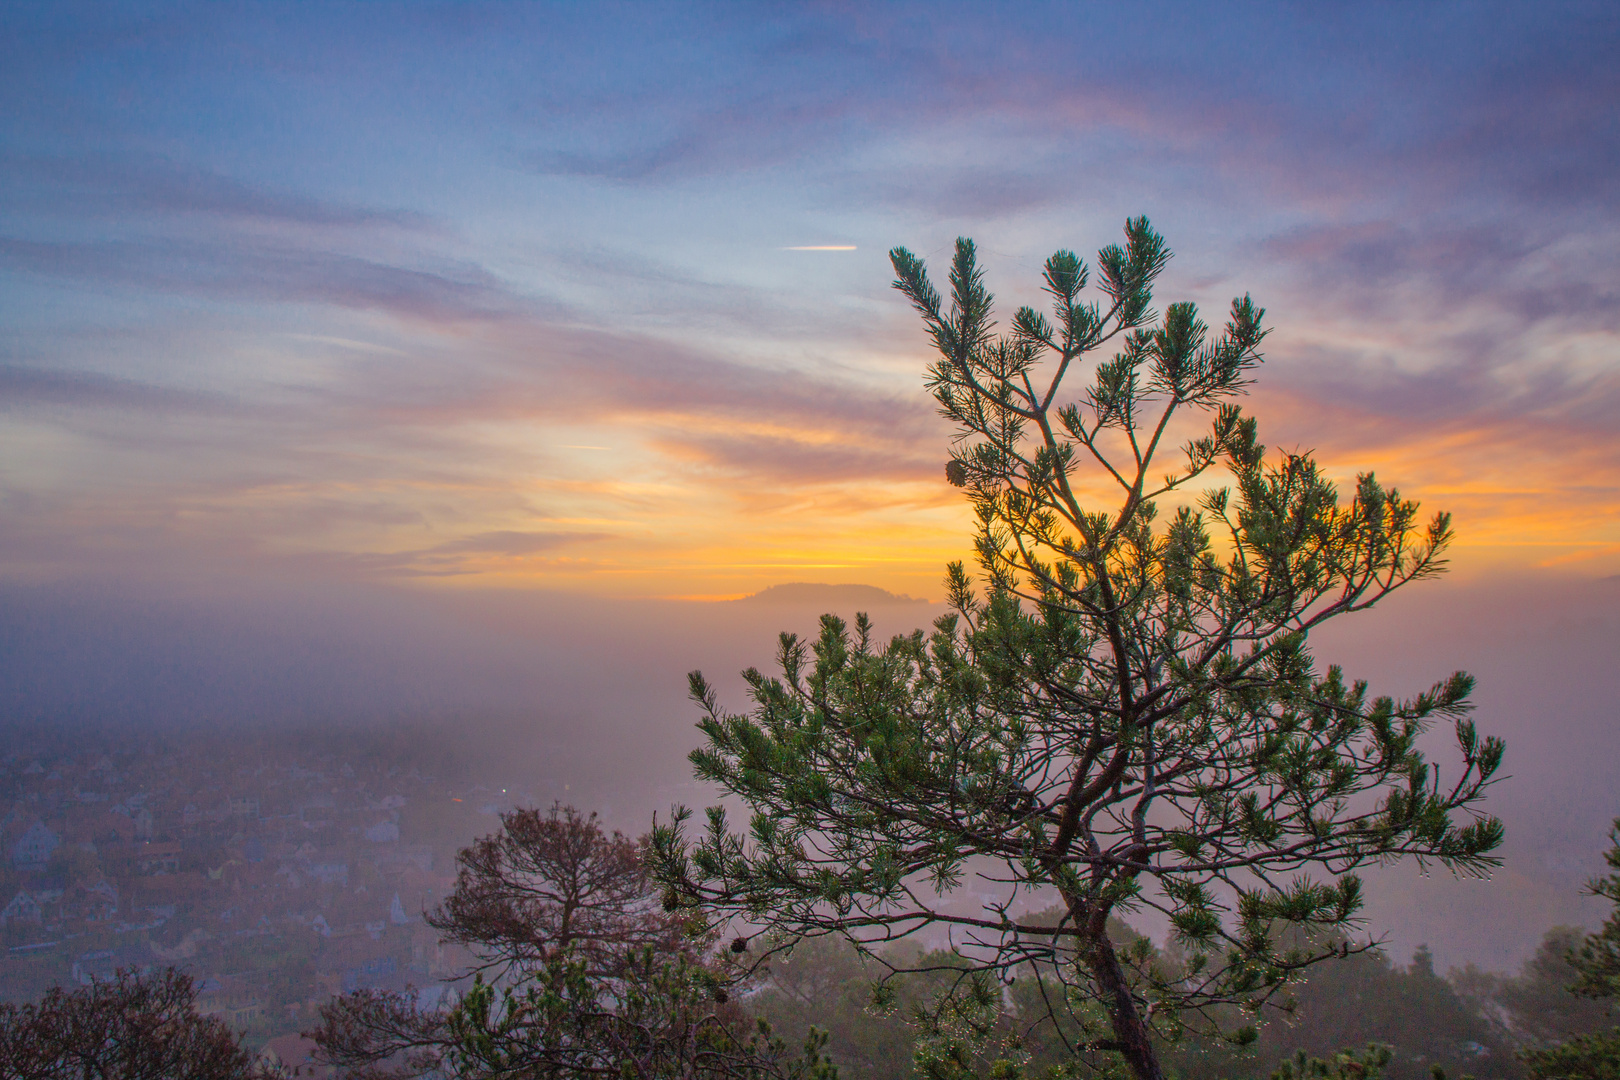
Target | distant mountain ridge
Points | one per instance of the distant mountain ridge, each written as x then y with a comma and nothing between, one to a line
806,592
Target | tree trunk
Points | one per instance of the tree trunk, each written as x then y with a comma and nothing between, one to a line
1130,1030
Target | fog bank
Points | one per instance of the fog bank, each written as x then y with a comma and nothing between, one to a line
586,699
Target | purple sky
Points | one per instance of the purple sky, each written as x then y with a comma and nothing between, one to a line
377,313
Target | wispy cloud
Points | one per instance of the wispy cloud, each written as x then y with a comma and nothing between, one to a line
554,255
101,186
24,387
268,273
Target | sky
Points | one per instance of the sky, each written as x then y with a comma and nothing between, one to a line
372,321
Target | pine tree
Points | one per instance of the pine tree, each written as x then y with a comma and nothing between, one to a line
1597,965
1128,714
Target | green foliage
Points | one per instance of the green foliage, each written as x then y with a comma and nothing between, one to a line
1535,1007
825,983
958,1039
1598,960
1127,716
1585,1057
591,977
1365,1064
1363,999
1594,1056
663,1017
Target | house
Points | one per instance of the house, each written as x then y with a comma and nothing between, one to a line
230,998
292,1056
210,995
104,965
242,1013
90,967
377,973
406,855
104,889
99,827
33,848
124,828
181,890
330,873
94,901
16,820
435,997
24,907
158,858
384,832
427,951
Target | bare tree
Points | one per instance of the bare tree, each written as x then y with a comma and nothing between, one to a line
587,975
133,1027
381,1034
551,883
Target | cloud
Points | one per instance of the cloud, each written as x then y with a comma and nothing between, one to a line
1388,186
1493,334
535,368
690,150
1438,265
864,456
106,186
22,387
511,542
270,273
1026,110
955,192
594,691
476,554
344,474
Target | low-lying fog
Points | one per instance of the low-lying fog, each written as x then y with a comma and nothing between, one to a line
585,699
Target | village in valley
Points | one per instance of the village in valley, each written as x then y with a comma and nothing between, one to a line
275,878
